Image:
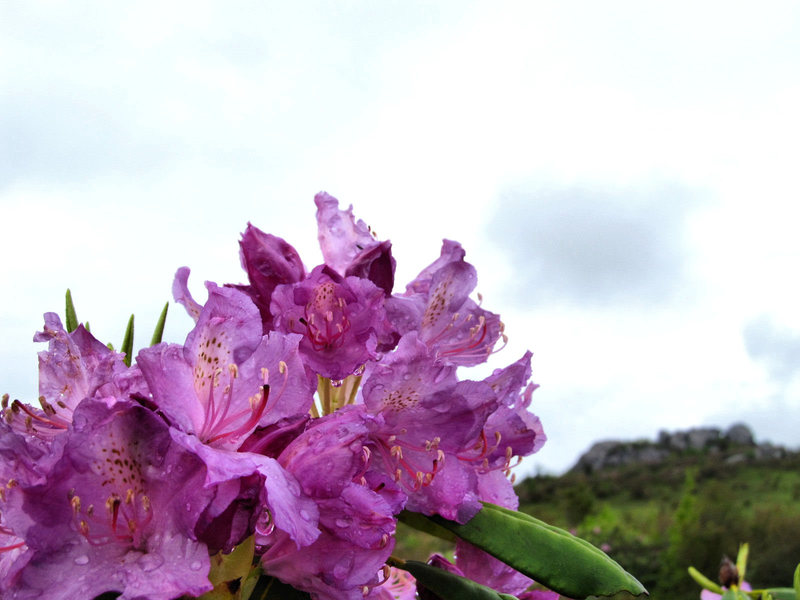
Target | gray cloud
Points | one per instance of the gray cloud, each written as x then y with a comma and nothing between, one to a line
776,347
594,246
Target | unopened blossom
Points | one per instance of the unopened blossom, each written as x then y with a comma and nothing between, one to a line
349,247
269,261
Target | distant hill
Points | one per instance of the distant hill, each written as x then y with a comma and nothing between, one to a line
737,444
686,498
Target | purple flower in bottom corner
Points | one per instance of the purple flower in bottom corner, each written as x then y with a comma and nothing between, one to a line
709,595
115,513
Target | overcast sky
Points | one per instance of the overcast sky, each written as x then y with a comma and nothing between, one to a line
624,176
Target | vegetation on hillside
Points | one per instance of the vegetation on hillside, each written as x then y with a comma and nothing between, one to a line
656,520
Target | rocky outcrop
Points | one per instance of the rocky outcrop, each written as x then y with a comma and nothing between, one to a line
737,442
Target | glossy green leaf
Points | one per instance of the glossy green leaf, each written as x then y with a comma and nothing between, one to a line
71,315
159,332
449,586
549,555
127,343
269,588
426,525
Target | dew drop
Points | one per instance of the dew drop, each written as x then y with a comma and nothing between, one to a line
304,515
150,562
264,524
337,382
82,560
359,371
195,566
343,522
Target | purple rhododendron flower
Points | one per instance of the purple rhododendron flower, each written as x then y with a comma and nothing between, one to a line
75,366
128,479
428,420
437,305
342,321
399,585
116,512
356,522
228,378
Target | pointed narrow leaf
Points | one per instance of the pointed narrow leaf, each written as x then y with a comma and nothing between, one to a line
741,561
159,332
71,316
551,556
704,581
797,581
127,342
449,586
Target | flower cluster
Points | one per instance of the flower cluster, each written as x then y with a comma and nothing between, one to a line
305,410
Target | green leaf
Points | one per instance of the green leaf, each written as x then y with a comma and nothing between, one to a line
741,561
797,581
704,581
234,565
782,593
72,317
425,525
446,585
127,343
553,557
159,332
270,588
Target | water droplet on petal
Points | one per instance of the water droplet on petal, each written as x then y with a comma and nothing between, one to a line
304,515
344,523
150,562
195,566
264,524
337,382
82,560
359,370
